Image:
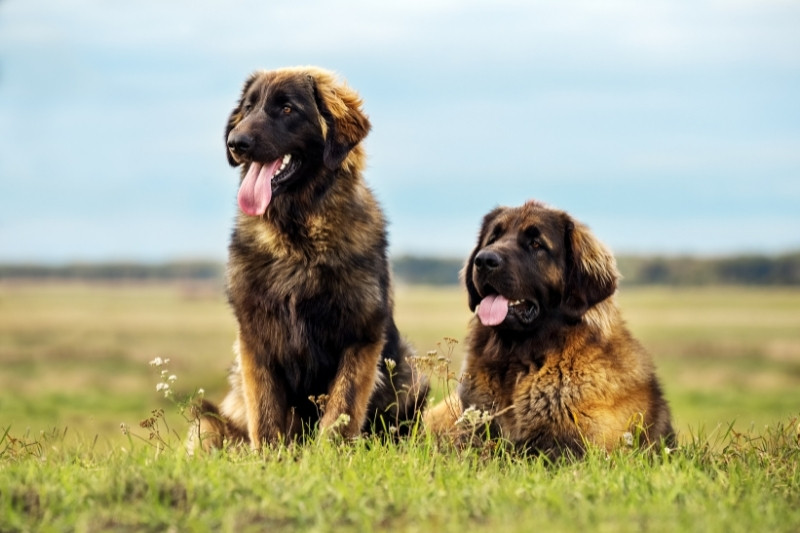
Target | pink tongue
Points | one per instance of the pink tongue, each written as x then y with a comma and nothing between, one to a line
255,192
493,310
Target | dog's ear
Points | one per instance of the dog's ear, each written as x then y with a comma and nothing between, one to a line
236,116
591,271
466,272
346,123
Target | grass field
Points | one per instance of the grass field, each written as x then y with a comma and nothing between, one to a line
75,366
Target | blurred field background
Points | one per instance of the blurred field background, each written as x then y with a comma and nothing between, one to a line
75,355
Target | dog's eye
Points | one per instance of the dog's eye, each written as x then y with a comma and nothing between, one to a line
287,110
536,245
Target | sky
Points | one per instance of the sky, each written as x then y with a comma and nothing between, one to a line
669,127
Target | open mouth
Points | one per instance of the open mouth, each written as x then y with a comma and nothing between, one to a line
525,310
262,180
285,171
495,309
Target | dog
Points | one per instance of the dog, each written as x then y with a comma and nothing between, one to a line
550,365
308,276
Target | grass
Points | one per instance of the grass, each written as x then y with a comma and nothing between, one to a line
753,483
74,361
724,354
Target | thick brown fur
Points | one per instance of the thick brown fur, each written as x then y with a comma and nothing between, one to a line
309,280
562,370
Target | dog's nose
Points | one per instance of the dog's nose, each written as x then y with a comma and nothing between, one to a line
488,260
240,143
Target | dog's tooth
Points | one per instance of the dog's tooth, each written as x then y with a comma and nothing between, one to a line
284,162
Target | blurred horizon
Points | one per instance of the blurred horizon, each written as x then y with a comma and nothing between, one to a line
668,128
674,271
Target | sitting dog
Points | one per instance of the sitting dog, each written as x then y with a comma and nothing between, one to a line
308,274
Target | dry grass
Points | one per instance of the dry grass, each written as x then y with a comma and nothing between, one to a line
76,355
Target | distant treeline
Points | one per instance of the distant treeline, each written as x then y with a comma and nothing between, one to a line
642,270
426,270
186,270
636,270
733,270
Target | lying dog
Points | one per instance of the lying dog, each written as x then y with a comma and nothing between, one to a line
308,275
549,357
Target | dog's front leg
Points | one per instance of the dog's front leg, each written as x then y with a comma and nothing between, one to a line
264,399
351,390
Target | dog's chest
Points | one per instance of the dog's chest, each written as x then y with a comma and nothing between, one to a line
303,286
288,297
292,288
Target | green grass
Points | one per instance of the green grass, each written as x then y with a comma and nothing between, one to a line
752,483
74,360
724,354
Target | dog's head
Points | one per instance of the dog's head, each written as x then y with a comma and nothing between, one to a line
291,124
533,262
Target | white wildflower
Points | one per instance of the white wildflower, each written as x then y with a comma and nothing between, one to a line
473,417
627,438
390,364
172,378
341,421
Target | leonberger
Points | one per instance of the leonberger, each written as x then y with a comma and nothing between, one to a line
308,277
550,363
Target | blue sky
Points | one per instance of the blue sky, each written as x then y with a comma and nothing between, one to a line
667,126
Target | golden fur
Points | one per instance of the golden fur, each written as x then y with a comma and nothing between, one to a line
561,370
